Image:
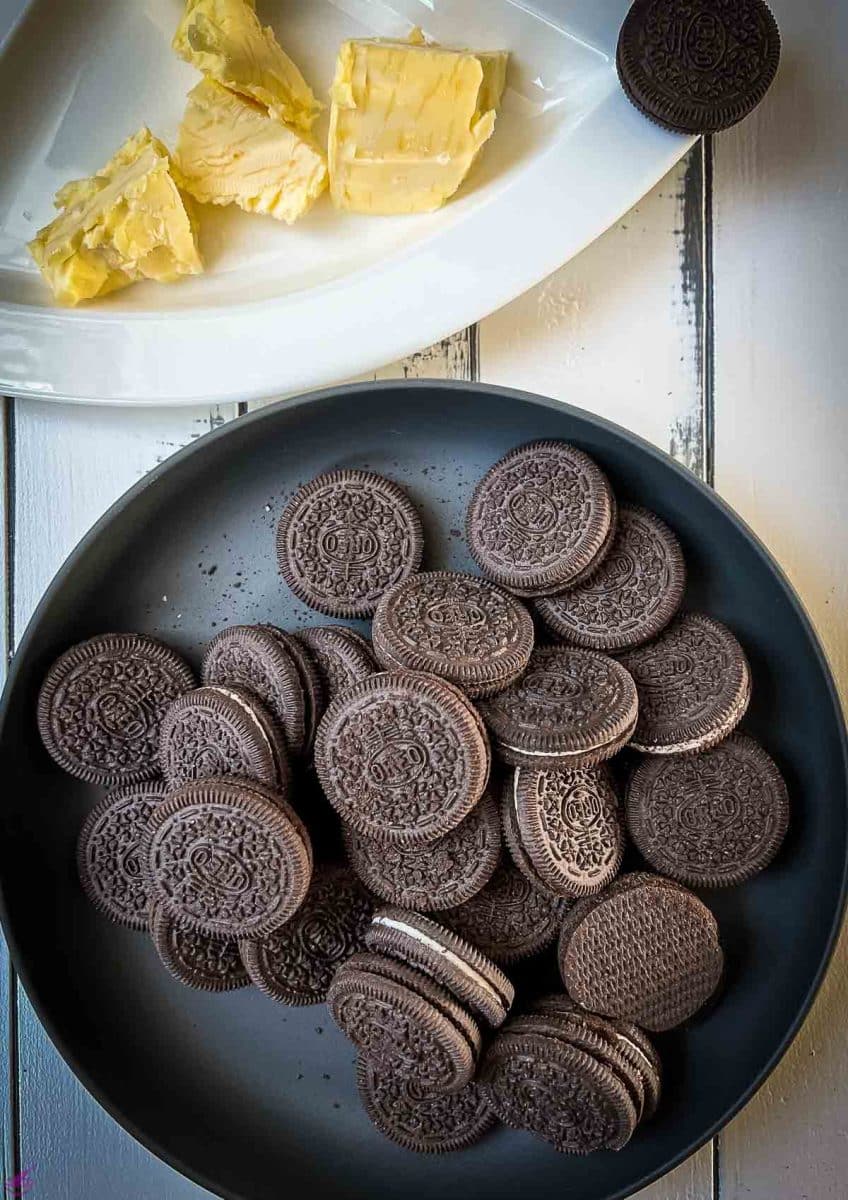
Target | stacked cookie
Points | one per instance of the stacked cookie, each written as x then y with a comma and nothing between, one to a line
468,757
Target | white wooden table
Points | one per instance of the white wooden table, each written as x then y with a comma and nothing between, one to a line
711,320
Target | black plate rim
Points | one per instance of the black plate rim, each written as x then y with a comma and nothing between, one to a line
461,388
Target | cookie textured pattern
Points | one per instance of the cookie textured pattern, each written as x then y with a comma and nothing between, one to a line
693,683
209,964
711,819
539,518
425,1124
341,660
458,626
102,702
109,852
631,596
402,758
345,538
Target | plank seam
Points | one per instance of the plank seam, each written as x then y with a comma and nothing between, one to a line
473,335
708,313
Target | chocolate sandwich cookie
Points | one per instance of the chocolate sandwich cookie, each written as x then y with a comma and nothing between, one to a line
540,519
402,757
445,957
227,857
209,964
457,626
509,919
109,852
571,708
569,827
645,951
439,875
220,731
632,595
426,1124
693,683
254,657
632,1043
697,67
558,1092
296,964
101,704
405,1023
340,657
345,538
711,819
310,681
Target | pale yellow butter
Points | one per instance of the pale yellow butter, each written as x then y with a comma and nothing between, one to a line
407,121
231,151
226,41
128,222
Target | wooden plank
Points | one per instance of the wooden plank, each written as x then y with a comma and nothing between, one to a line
621,330
71,462
781,441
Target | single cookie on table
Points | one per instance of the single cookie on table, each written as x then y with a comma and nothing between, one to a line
568,826
109,852
509,919
439,875
102,702
425,1124
405,1023
220,731
295,964
556,1091
541,519
226,857
341,659
712,819
209,964
344,538
632,595
444,956
254,658
571,708
462,628
646,950
402,757
694,685
628,1040
701,69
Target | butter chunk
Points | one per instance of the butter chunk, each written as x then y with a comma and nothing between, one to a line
127,222
231,151
226,41
407,121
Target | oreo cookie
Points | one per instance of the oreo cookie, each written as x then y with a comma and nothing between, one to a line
442,955
209,964
439,875
295,964
221,731
646,951
404,1022
697,67
632,595
457,626
568,827
345,538
402,757
509,919
109,852
255,658
227,858
571,708
541,519
694,685
712,819
423,1123
101,705
341,657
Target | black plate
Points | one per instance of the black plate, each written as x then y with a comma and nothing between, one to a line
254,1100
